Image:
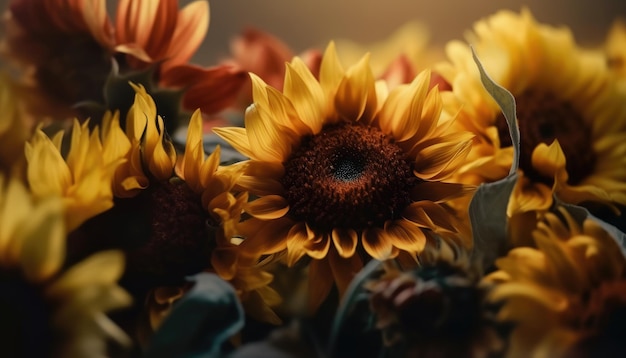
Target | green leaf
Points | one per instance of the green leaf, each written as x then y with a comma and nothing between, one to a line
506,101
487,210
207,316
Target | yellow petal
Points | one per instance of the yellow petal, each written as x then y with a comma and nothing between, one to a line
306,95
268,207
356,94
376,243
297,238
102,268
331,71
405,235
237,137
43,241
345,241
265,137
549,160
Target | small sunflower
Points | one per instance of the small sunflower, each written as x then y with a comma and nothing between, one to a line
341,170
420,311
173,215
47,310
567,296
570,113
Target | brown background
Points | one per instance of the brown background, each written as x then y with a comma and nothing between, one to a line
305,23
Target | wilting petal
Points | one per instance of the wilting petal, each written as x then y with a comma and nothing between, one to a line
210,89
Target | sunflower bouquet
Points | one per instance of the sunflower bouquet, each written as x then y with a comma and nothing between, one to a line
386,200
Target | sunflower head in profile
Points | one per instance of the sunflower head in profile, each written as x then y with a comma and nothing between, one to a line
342,170
567,296
420,311
48,310
570,112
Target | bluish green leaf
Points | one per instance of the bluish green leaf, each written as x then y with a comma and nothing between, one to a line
200,322
506,101
487,209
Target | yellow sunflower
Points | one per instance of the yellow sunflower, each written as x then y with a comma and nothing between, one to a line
83,177
571,115
47,310
342,170
567,296
174,215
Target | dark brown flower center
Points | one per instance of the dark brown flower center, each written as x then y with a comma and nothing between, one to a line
542,118
165,232
347,176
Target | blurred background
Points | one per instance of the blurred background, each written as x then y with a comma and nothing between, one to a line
302,24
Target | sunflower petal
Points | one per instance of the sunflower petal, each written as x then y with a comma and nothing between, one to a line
268,207
345,241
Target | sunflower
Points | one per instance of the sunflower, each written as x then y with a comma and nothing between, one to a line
570,113
420,311
567,296
338,168
173,215
47,310
70,50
